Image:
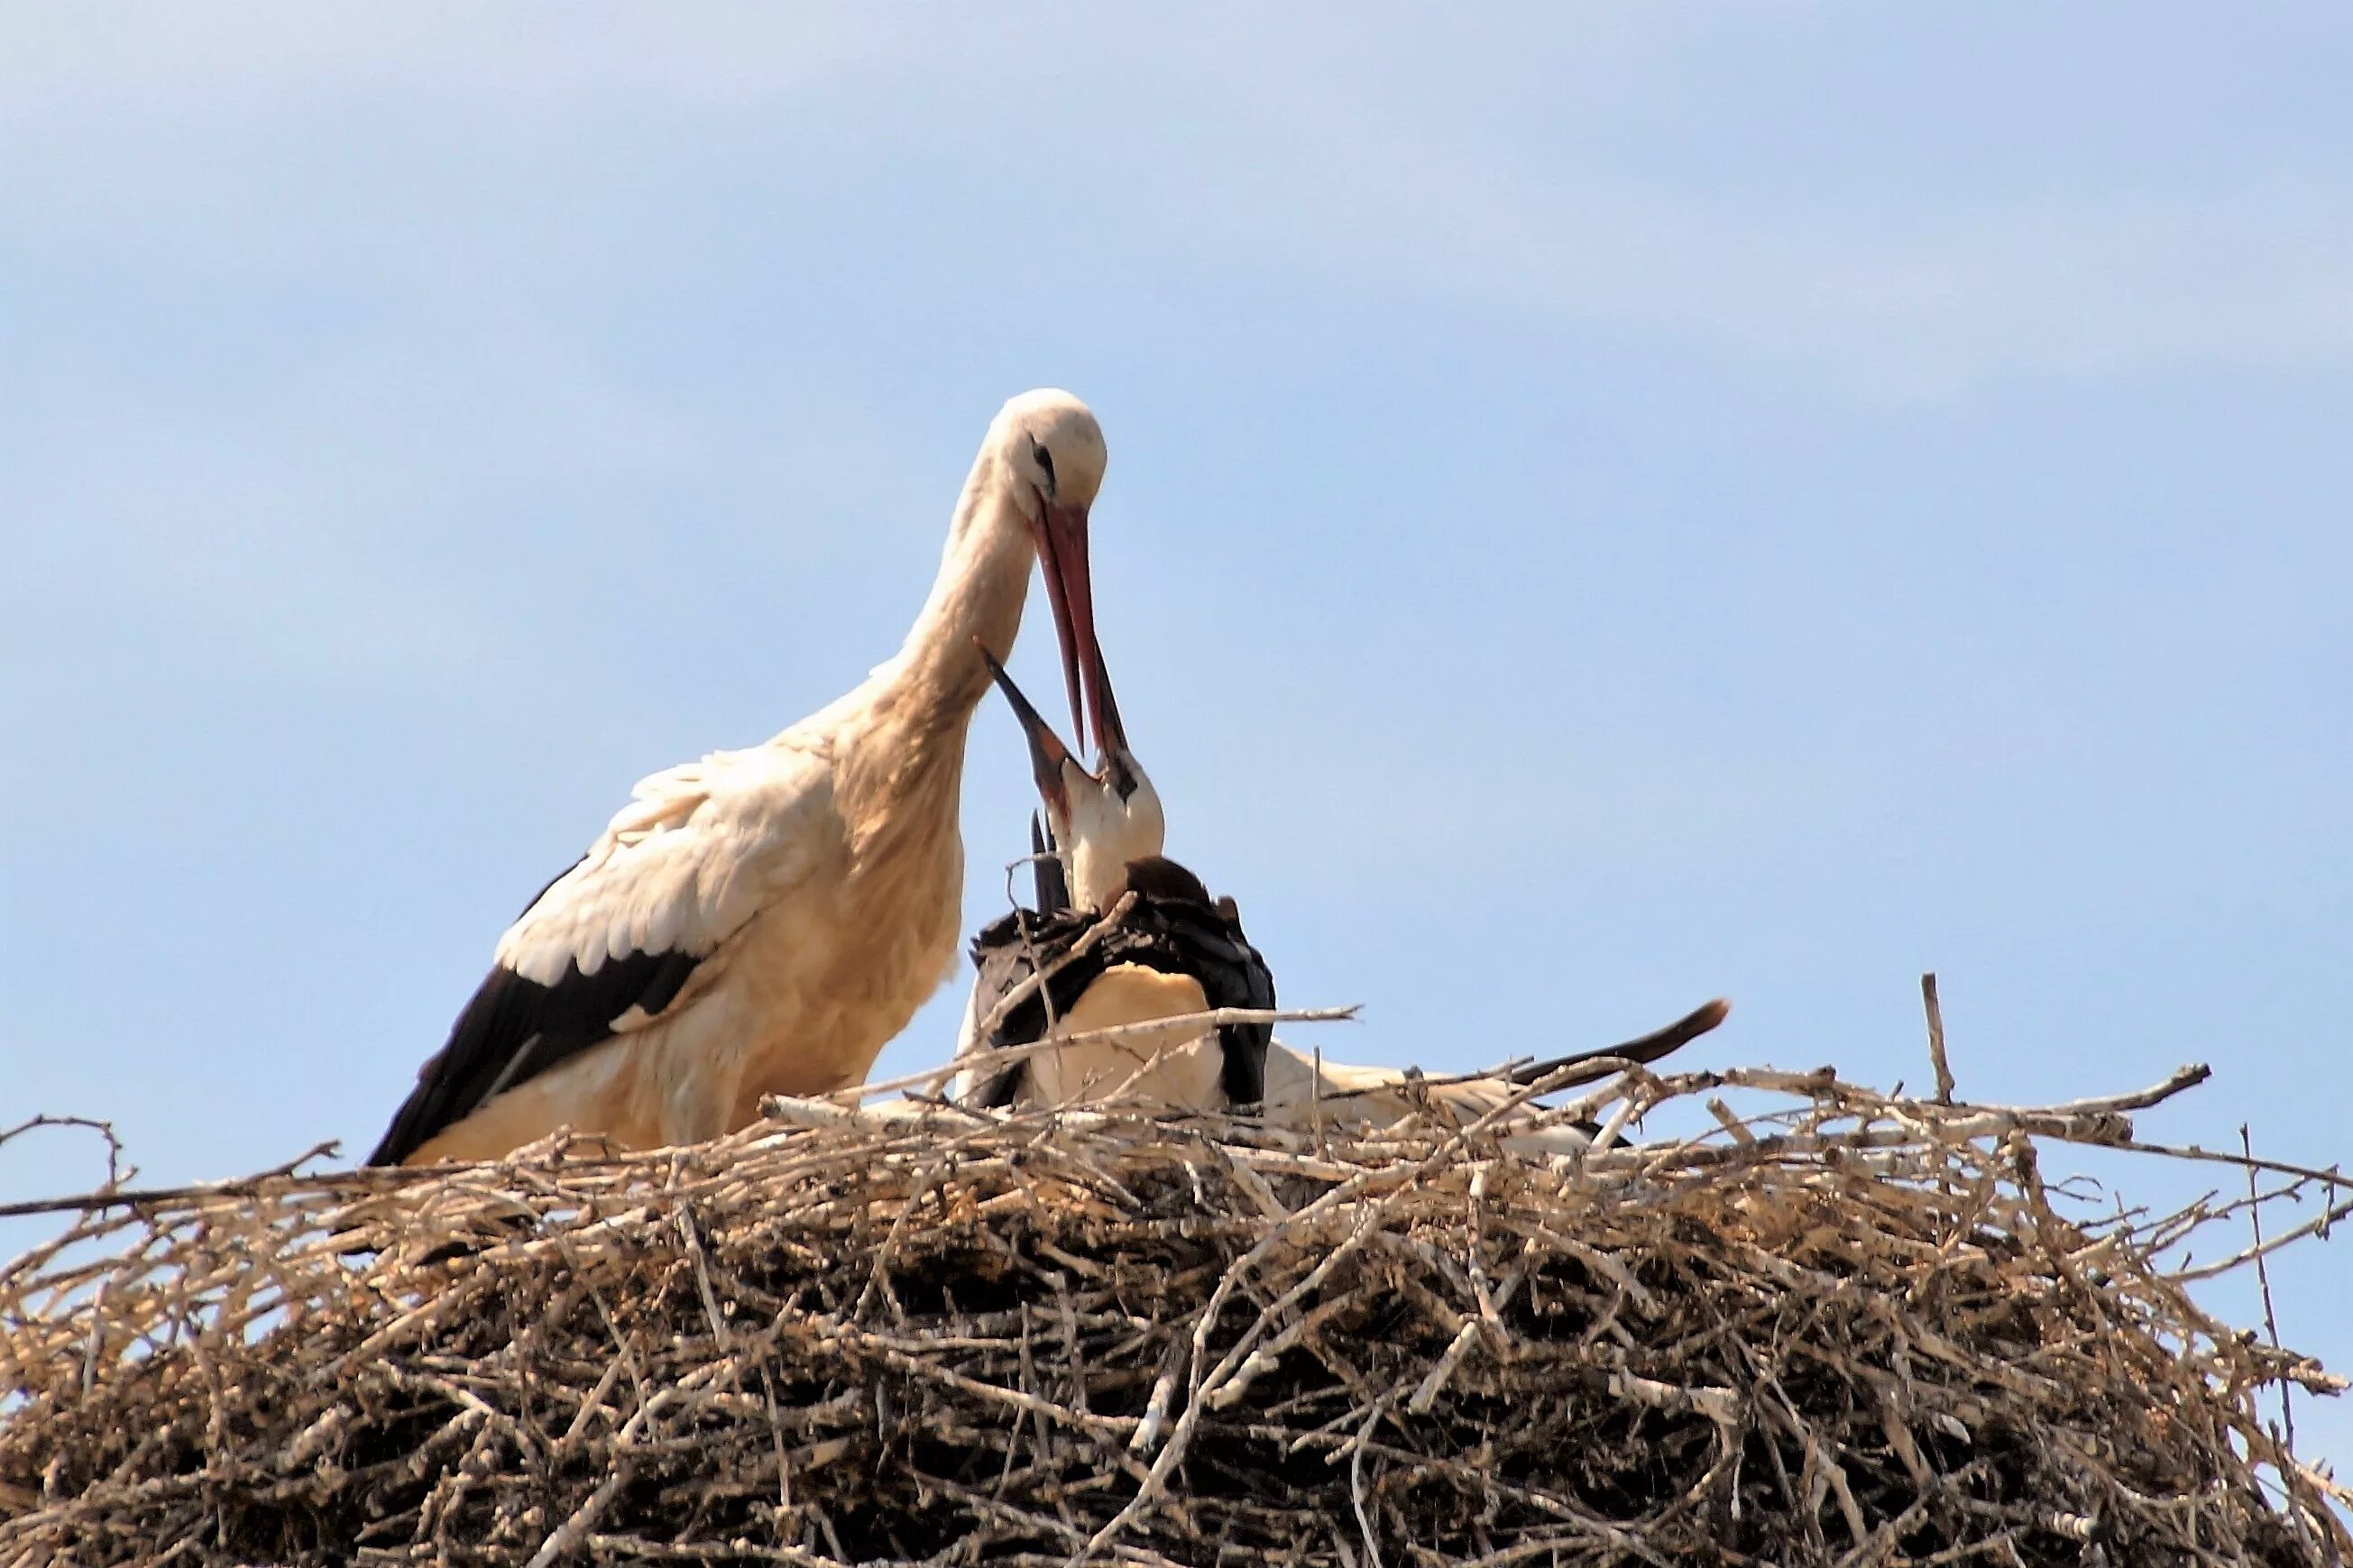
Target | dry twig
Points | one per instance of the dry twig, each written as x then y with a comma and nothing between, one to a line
1936,1011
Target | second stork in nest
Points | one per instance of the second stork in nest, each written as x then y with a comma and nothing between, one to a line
1123,937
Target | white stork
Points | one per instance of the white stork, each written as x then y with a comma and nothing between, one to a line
1178,953
764,921
1173,952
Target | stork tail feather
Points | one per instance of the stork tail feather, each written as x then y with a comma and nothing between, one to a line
1642,1049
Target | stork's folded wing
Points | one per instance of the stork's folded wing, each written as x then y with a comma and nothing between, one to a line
635,929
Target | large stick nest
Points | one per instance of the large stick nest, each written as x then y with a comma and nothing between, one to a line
1849,1329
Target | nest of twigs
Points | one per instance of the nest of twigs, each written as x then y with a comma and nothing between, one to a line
1843,1329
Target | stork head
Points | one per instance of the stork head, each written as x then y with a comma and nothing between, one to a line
1051,451
1101,819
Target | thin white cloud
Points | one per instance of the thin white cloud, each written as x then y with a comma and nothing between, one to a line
1346,156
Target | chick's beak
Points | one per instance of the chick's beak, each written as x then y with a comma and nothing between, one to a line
1047,752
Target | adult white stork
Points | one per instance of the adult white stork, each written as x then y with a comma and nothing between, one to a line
1173,951
764,921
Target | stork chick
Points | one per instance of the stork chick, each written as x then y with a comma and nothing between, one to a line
764,921
1173,951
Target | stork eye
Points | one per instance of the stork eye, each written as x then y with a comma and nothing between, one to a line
1045,462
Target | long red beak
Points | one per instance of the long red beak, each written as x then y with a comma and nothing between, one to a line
1062,554
1047,752
1110,734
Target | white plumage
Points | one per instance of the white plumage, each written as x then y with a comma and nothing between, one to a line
699,849
1359,1098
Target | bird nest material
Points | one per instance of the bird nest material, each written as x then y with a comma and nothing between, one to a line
1843,1328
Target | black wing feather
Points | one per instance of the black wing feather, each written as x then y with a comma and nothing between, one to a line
1173,927
1046,866
515,1029
1207,934
1644,1048
1003,952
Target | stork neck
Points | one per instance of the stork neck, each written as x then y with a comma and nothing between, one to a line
1098,876
983,581
906,725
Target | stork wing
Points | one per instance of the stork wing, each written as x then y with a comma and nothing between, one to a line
1172,926
1008,951
609,946
1232,973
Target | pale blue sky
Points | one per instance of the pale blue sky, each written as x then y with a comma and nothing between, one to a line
1607,506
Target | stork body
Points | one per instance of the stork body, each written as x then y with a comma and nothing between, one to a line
764,921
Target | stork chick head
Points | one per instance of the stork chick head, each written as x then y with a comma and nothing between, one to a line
1102,819
1049,456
